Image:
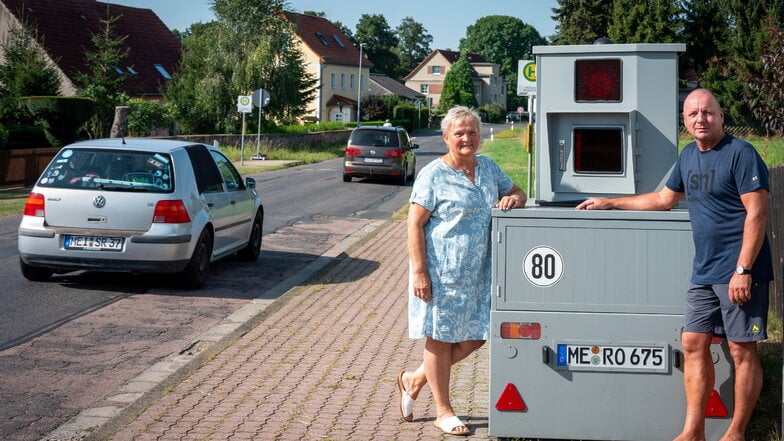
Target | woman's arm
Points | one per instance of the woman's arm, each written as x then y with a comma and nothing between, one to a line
417,218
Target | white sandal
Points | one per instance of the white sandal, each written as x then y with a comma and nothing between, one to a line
448,426
406,402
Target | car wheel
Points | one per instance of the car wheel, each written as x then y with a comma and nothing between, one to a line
403,180
346,178
195,274
253,248
35,273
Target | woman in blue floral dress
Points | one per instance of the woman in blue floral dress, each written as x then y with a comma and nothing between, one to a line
449,251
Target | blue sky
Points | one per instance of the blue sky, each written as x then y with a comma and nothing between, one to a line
446,21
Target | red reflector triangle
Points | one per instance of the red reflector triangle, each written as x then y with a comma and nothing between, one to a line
715,407
510,399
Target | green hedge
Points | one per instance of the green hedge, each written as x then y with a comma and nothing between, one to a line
61,118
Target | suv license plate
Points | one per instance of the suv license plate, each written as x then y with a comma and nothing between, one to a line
94,243
608,357
374,160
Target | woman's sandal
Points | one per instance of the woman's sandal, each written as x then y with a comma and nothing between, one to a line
448,426
406,402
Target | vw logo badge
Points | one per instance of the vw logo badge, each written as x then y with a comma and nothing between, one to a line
373,152
99,201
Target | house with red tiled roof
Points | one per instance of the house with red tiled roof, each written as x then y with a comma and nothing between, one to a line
334,61
428,77
65,28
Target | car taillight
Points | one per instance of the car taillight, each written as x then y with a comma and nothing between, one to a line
396,153
352,151
170,212
34,206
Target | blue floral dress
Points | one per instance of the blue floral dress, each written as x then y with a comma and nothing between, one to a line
457,250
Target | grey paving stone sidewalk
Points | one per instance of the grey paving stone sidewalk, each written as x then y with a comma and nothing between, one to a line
322,367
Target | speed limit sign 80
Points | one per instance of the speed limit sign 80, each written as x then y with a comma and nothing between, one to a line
543,266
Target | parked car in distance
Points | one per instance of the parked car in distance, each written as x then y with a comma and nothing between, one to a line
380,152
139,205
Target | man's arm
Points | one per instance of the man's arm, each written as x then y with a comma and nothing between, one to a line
756,204
661,200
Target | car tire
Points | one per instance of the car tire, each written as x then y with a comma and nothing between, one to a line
195,274
346,178
403,180
35,273
252,250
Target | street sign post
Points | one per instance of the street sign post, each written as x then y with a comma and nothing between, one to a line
261,99
244,106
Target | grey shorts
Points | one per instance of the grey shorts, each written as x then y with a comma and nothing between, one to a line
708,310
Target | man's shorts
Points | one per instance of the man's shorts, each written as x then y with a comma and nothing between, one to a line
708,310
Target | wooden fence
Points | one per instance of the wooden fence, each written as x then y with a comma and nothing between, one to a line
776,236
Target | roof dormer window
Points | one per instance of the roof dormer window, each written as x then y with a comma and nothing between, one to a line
118,70
132,71
337,40
162,70
322,38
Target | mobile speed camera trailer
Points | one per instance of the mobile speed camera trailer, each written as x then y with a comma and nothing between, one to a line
587,306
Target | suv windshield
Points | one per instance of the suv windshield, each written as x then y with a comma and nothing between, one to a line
122,170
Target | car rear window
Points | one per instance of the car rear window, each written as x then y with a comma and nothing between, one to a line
111,170
375,138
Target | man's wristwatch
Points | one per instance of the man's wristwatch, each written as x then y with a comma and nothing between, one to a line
741,270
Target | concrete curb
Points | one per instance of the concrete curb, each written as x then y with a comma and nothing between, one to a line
139,392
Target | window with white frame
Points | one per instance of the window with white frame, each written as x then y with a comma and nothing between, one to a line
343,81
333,81
351,82
424,88
436,70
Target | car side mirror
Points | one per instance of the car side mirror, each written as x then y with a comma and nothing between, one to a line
414,146
250,183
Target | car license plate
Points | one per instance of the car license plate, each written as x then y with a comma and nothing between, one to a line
94,243
612,357
374,160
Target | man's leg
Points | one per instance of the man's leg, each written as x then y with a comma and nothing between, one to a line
698,379
748,385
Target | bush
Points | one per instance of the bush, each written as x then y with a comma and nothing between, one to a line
146,117
3,136
26,137
62,118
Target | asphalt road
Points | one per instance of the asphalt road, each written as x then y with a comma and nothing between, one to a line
68,343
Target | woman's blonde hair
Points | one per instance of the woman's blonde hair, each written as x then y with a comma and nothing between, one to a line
460,113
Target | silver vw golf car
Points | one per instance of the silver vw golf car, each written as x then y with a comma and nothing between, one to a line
139,205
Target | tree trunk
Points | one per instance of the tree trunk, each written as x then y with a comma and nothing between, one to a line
120,124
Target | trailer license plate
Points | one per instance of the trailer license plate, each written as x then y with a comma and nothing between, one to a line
94,243
606,357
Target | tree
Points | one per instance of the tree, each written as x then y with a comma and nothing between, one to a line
705,27
413,45
458,86
740,57
102,83
766,91
503,40
250,46
645,21
581,21
378,40
25,71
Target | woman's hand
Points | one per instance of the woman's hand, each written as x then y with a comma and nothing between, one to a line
516,198
421,286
